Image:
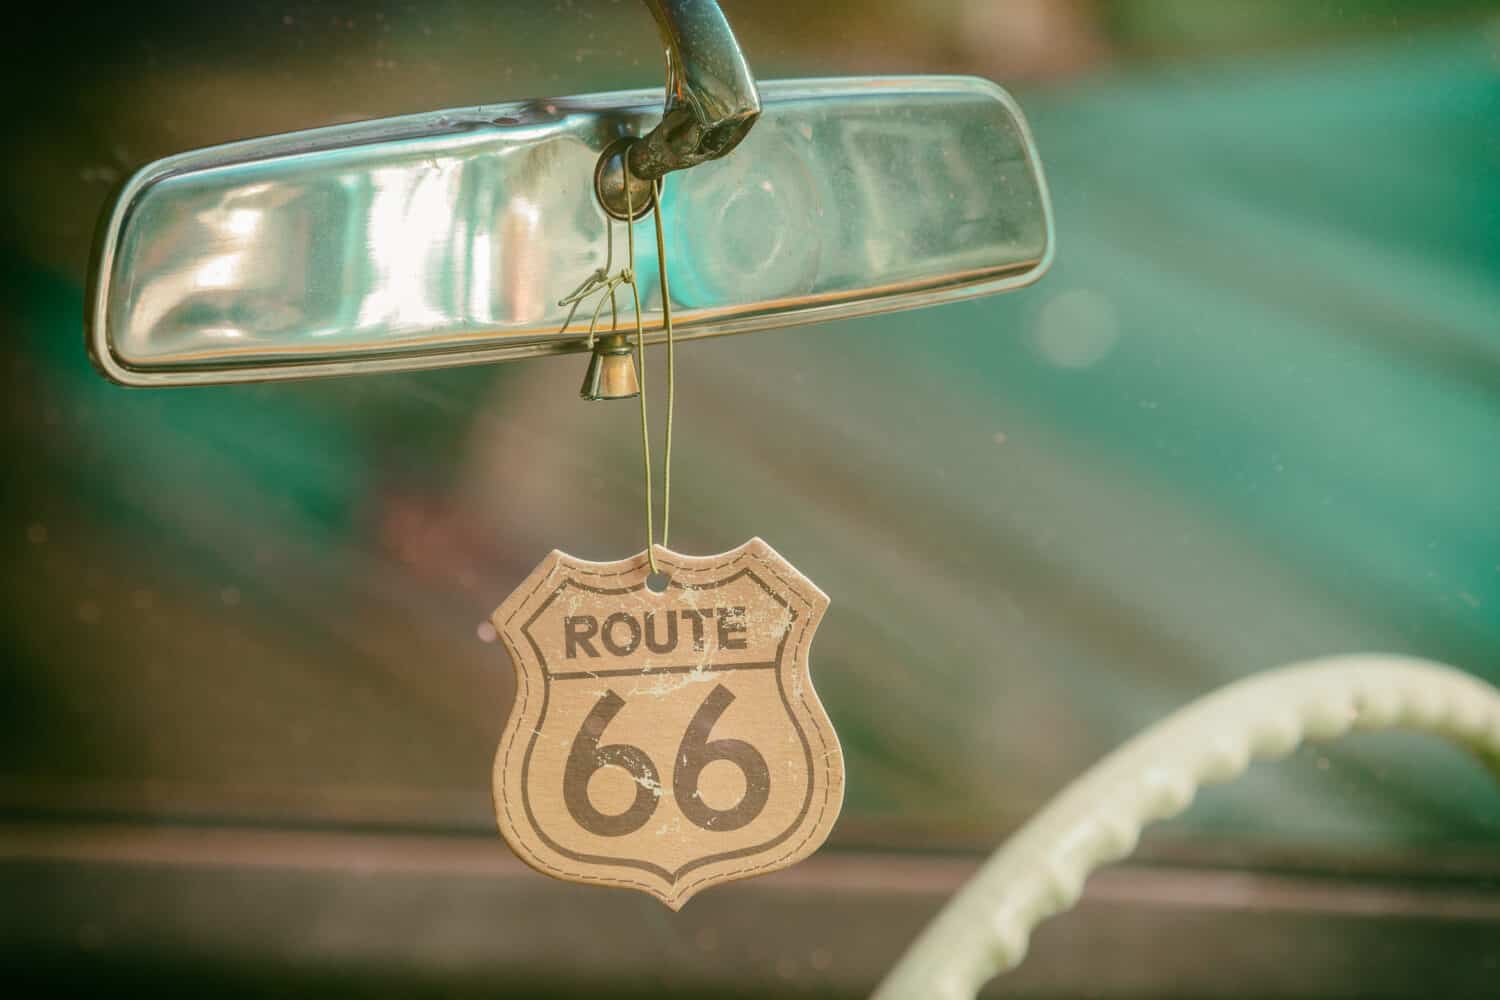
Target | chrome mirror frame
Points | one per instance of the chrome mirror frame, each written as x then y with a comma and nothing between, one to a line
449,238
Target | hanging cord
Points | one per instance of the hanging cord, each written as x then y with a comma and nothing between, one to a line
601,281
640,364
658,189
666,320
598,279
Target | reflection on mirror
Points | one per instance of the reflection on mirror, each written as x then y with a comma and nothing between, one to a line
449,238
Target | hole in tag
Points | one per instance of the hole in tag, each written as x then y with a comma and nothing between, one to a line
657,583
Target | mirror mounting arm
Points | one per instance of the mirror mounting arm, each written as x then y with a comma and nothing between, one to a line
711,104
711,97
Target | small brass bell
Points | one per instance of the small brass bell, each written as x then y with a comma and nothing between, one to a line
611,373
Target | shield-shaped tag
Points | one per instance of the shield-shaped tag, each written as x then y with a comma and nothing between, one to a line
665,741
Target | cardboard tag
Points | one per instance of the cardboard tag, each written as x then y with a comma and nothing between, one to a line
667,741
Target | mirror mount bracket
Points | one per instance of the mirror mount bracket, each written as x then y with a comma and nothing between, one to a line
711,104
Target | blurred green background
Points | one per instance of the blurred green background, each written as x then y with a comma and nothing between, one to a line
1251,416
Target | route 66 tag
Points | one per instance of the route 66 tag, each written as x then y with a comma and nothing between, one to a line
666,741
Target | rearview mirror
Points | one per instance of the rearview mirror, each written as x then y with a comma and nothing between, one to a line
448,238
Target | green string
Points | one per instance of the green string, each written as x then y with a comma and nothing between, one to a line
666,319
658,187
